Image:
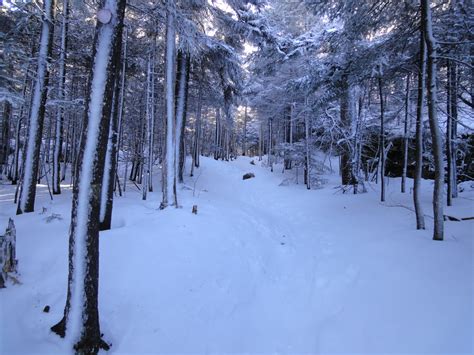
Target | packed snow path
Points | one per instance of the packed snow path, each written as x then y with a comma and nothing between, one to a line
261,268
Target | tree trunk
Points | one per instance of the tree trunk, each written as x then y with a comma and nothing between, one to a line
110,165
16,157
147,158
217,135
5,137
420,218
121,109
81,315
197,132
26,202
169,173
382,142
452,116
182,102
58,139
244,140
437,144
405,135
307,129
346,122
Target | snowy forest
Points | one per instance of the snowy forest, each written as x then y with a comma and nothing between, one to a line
236,176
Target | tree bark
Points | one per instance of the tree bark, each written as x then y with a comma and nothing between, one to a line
382,142
405,135
58,139
346,122
197,132
81,315
420,218
169,171
26,202
5,137
181,113
438,233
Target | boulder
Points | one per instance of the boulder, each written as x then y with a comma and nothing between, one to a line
248,176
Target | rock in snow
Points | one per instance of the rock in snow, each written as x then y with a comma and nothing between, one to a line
248,176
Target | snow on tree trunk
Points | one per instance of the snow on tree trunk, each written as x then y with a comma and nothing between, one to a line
58,139
169,171
80,323
26,202
437,144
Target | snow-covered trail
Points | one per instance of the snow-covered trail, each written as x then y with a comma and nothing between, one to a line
261,268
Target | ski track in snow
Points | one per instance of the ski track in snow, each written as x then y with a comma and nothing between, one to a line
261,268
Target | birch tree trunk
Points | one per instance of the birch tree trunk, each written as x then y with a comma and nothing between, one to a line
26,202
80,323
438,233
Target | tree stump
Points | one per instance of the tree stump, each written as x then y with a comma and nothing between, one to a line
8,262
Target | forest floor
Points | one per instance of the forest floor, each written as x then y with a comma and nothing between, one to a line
263,267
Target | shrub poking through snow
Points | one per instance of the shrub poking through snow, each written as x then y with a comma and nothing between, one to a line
248,176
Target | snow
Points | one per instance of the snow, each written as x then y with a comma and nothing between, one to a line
261,268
